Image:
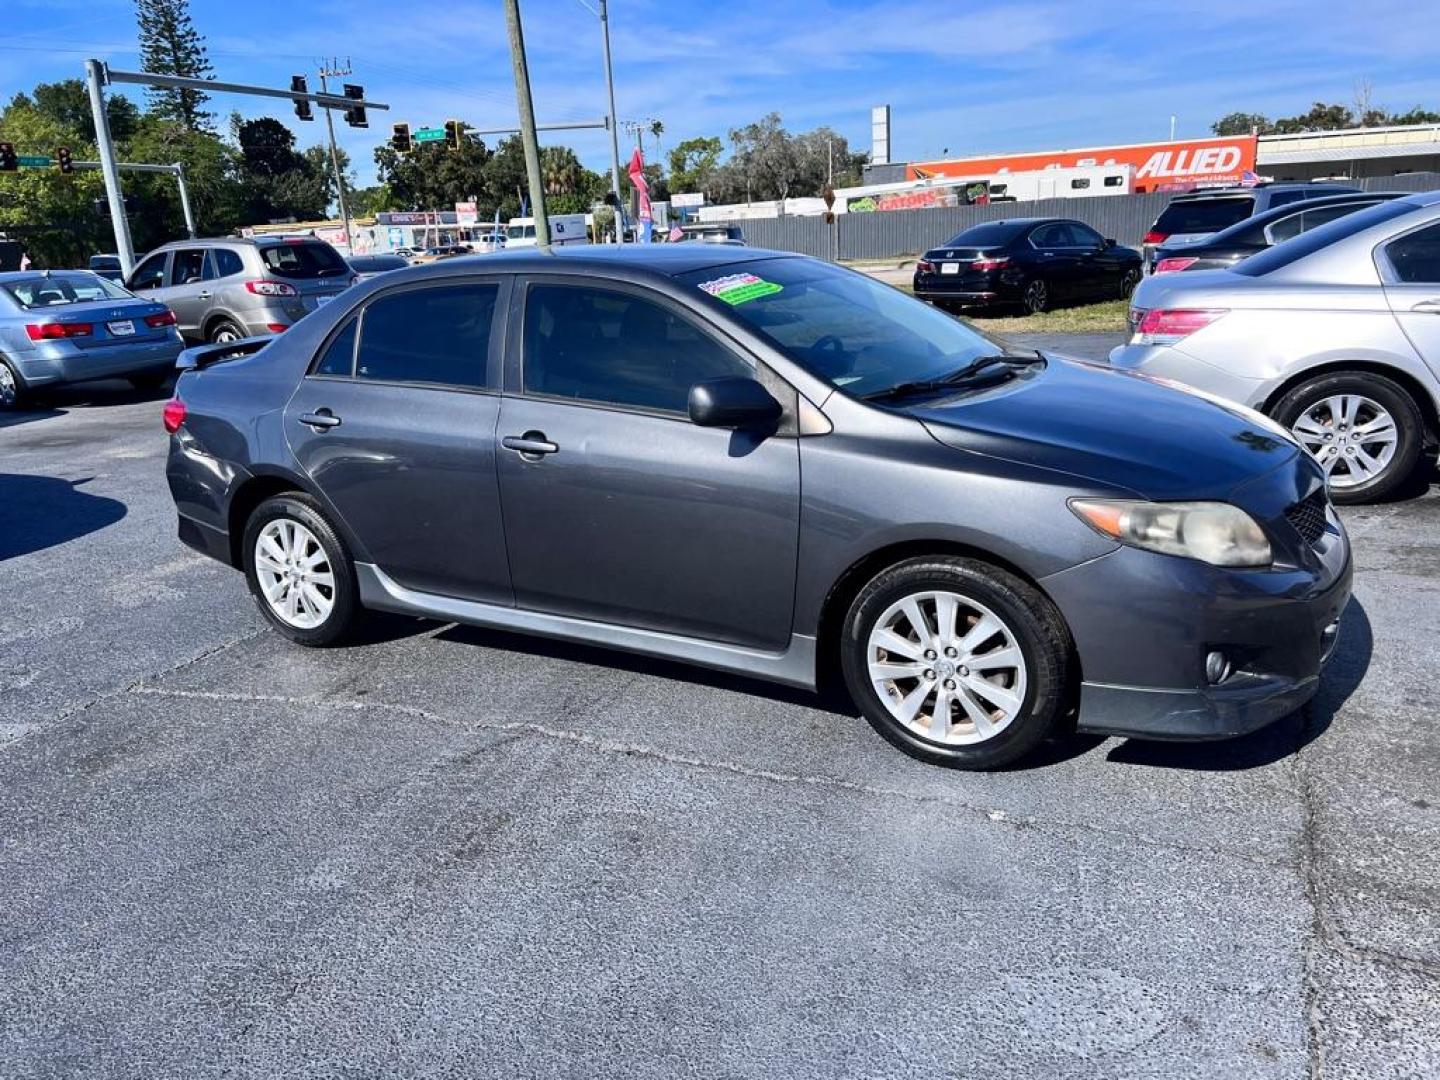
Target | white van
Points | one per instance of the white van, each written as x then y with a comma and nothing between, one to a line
564,229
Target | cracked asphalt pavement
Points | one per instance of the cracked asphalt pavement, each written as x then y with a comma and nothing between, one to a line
450,852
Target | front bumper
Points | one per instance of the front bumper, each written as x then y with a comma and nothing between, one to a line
1143,624
53,363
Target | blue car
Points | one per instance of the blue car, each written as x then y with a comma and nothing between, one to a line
70,326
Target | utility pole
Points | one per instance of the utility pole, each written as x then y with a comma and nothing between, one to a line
614,123
528,137
95,80
327,71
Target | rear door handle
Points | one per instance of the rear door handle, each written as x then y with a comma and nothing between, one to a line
202,296
320,420
1427,307
532,445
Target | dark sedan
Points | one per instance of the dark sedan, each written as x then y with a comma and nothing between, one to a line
606,445
1037,263
1253,235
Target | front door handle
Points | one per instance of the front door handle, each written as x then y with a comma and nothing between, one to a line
1427,307
531,446
320,420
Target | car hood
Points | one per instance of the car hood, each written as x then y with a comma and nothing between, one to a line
1117,429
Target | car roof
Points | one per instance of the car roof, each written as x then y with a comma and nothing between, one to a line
10,276
660,260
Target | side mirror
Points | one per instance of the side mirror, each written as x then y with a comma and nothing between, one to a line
1109,242
732,403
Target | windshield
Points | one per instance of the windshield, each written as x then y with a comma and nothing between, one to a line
1307,243
306,260
56,290
848,329
1203,215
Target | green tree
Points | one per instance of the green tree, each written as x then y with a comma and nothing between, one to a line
51,213
432,176
1321,117
1242,123
1416,115
369,201
170,45
213,173
693,164
68,103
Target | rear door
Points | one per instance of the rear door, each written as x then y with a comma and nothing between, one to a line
188,289
1410,268
395,424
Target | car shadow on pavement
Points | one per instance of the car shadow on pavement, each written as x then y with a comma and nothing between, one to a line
38,512
1342,675
100,392
23,415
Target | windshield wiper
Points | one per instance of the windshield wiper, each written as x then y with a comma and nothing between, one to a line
981,365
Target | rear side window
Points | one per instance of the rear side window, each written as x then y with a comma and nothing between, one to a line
1281,198
339,356
1416,258
617,348
189,266
1203,215
227,262
303,261
1285,228
433,335
1311,241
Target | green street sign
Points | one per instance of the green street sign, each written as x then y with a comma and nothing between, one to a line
428,135
36,161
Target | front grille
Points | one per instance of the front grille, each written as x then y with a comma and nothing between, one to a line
1308,516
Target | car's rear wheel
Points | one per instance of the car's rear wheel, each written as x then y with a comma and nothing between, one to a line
1036,296
1128,281
224,332
12,387
1364,429
956,662
300,572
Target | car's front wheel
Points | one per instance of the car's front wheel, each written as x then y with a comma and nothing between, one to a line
1365,431
956,662
300,572
12,389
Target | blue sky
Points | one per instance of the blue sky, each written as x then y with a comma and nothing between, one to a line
1025,74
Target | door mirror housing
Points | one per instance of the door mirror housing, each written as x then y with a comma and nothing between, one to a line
1108,242
732,403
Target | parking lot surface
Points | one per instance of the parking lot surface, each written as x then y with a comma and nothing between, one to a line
454,852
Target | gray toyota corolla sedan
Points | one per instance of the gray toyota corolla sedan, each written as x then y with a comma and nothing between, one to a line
773,466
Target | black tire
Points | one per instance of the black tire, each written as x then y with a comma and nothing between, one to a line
1036,297
149,380
1030,618
346,613
220,329
1409,426
12,387
1128,281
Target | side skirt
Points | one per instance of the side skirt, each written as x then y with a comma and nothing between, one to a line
795,666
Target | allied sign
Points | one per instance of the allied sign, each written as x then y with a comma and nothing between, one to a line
1161,166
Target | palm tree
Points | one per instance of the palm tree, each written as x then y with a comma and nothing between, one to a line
657,128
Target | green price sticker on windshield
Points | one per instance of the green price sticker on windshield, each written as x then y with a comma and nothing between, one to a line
738,288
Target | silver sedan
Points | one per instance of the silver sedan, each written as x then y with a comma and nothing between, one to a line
1335,334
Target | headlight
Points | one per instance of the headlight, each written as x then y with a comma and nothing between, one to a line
1213,532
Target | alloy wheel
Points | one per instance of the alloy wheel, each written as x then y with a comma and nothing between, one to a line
294,573
9,391
1037,295
947,667
1352,436
225,335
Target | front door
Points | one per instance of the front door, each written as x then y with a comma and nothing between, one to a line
395,424
617,508
1057,260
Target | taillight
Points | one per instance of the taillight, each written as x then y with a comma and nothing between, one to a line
54,331
989,264
270,288
1165,326
277,327
164,318
173,415
924,266
1154,236
1173,265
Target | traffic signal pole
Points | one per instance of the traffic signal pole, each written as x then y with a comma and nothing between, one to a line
613,125
94,81
325,72
528,136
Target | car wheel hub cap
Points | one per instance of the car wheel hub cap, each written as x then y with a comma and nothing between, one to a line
947,668
7,386
1352,436
295,574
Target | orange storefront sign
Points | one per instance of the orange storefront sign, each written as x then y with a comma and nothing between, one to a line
1182,163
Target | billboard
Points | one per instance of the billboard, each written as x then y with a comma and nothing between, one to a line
1160,166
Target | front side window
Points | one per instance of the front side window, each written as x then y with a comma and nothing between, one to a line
432,335
1054,235
617,348
1312,240
150,274
1083,235
188,267
1416,258
848,329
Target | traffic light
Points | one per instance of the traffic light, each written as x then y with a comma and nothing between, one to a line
302,106
355,115
453,131
8,161
62,158
400,138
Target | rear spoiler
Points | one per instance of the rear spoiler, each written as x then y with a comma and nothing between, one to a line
202,356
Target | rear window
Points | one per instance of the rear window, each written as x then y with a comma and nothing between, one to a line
303,261
987,235
1203,215
1307,243
57,290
